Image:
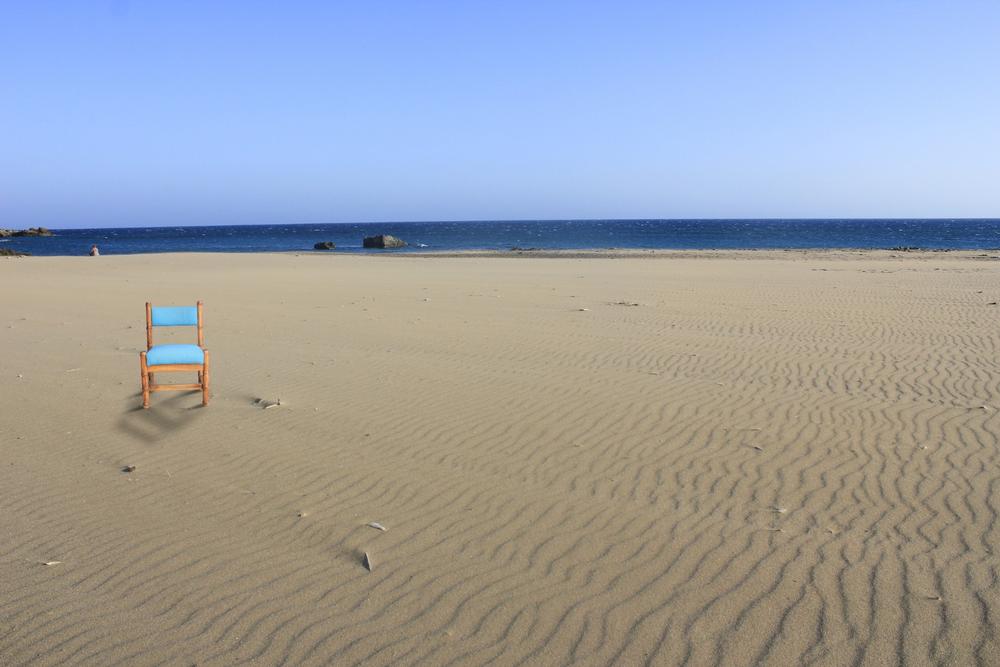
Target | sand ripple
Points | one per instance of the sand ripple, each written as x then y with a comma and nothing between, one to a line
759,464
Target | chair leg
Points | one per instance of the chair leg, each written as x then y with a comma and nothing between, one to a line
203,378
144,379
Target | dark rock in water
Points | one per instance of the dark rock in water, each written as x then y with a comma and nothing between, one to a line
32,231
10,252
325,245
383,241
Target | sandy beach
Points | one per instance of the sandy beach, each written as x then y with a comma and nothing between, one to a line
733,458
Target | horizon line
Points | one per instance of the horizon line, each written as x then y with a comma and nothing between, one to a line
539,220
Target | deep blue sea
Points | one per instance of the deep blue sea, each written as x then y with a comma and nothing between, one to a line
548,234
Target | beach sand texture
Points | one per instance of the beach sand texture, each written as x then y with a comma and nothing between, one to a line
773,458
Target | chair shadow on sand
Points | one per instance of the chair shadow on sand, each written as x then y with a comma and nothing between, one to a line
168,416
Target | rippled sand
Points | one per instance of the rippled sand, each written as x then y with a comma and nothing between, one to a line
704,458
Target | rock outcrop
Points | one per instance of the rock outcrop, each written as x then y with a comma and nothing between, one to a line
31,231
383,241
324,245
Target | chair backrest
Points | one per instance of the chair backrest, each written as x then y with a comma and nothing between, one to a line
173,316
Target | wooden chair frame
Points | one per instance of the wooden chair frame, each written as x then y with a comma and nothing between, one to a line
148,373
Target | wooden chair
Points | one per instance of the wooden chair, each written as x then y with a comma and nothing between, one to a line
170,358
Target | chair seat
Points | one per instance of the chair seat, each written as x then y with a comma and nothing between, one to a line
159,355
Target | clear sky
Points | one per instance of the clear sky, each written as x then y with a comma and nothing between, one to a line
190,112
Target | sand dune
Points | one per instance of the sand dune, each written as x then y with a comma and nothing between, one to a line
771,458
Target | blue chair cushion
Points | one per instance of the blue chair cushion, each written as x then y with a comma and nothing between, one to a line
174,316
174,354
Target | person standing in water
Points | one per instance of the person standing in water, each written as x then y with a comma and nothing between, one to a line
94,252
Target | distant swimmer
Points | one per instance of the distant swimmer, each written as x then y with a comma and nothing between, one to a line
94,252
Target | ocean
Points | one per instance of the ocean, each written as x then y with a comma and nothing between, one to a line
937,234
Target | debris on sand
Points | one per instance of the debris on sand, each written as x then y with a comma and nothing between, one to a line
128,468
265,404
377,526
367,562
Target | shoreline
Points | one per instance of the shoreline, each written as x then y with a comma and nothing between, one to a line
596,253
707,253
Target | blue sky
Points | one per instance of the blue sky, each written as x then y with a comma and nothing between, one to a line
143,113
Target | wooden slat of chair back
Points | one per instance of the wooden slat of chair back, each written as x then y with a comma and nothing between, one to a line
149,325
201,331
